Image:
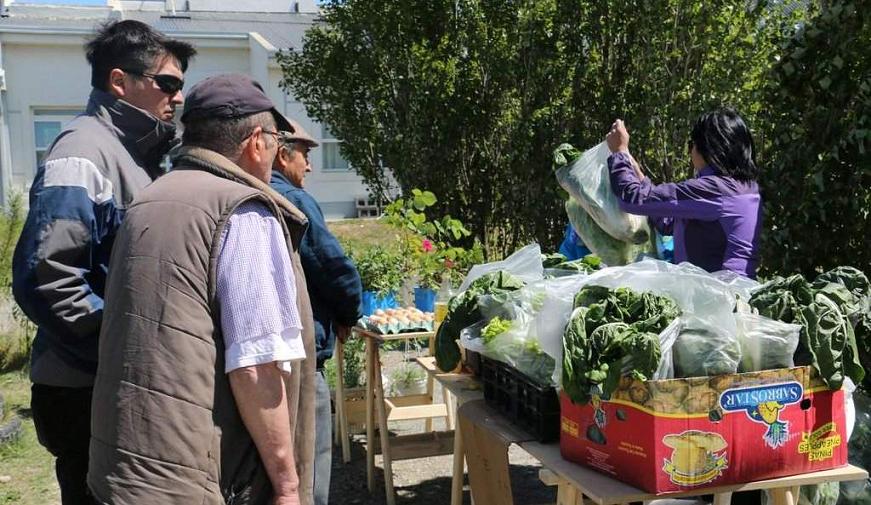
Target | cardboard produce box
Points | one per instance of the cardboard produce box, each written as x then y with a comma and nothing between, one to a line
682,434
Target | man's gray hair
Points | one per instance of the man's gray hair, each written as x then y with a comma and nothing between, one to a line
226,135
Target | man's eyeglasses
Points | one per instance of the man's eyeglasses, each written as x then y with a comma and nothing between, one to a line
169,84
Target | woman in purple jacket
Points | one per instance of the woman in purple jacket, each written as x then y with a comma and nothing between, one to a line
715,217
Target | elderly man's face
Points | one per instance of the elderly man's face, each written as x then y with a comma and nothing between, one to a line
292,162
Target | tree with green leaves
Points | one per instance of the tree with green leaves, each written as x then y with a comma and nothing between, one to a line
468,98
817,172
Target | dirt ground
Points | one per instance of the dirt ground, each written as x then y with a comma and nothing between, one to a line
423,481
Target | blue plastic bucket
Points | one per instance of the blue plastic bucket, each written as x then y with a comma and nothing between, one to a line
424,299
372,302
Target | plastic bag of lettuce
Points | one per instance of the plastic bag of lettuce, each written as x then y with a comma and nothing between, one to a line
612,251
586,178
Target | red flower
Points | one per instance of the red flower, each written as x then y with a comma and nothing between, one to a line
427,245
448,263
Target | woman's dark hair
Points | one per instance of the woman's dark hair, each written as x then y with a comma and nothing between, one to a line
132,46
724,141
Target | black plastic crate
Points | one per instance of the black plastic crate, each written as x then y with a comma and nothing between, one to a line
473,362
532,406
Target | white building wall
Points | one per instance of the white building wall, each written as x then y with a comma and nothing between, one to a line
39,77
49,72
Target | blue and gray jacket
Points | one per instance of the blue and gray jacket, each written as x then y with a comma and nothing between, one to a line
90,174
334,285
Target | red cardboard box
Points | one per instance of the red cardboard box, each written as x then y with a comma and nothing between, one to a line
682,434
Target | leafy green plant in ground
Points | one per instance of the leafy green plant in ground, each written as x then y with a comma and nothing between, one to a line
16,341
354,365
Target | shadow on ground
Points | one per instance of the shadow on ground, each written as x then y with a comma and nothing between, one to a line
424,481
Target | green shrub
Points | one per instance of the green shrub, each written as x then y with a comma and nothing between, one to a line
817,172
17,341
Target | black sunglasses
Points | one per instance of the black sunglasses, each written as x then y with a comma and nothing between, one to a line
169,84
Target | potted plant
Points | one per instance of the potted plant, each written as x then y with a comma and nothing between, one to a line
407,379
429,247
380,274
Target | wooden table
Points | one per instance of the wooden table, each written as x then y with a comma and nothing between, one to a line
488,436
381,409
458,388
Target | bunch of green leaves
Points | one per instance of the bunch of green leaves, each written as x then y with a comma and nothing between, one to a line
552,259
379,267
611,333
816,167
463,311
495,327
833,312
429,248
588,264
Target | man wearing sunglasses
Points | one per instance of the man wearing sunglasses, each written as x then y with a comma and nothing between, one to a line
89,176
333,284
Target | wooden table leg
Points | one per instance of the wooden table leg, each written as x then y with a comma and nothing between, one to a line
342,431
370,417
784,496
451,407
383,433
723,499
430,387
458,475
487,456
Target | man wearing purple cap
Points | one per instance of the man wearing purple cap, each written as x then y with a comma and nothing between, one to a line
207,352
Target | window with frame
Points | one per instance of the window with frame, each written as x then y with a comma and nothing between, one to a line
332,160
47,125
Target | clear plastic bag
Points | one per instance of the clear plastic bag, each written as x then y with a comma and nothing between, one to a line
702,298
703,350
613,251
588,181
517,345
766,344
525,263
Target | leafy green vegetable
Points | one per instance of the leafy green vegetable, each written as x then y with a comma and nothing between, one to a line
587,264
463,311
612,332
834,315
552,260
565,154
495,327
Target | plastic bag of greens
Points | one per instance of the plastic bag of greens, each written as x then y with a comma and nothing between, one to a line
511,341
667,339
703,350
766,344
613,252
524,264
587,179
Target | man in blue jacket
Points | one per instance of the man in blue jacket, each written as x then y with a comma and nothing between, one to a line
89,176
333,283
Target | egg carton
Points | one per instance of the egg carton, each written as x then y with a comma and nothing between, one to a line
391,321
